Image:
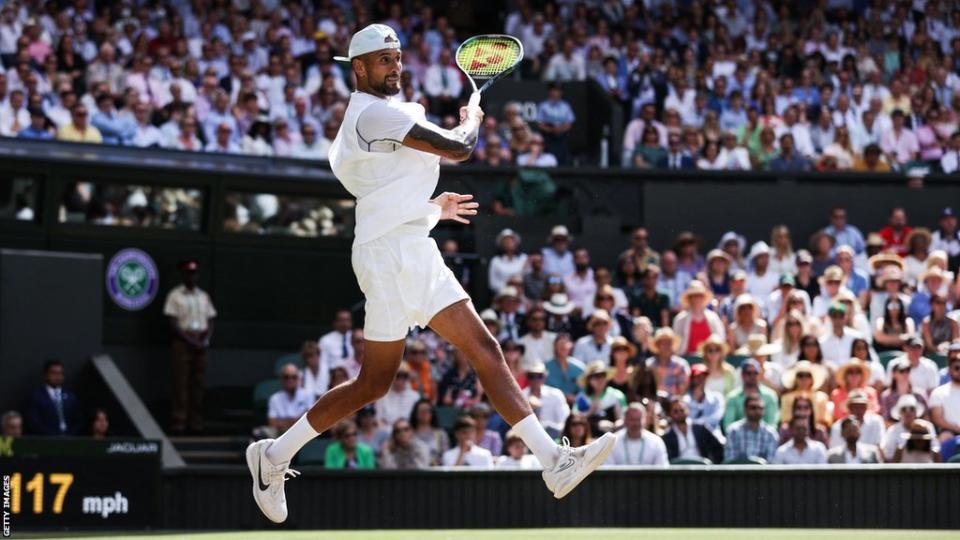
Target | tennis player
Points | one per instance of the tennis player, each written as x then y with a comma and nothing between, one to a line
387,155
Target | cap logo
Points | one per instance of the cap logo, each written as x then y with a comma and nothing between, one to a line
389,39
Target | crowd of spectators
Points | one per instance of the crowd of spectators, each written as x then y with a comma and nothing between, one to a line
722,84
845,353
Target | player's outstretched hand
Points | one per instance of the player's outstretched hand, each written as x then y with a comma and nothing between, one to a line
454,206
471,111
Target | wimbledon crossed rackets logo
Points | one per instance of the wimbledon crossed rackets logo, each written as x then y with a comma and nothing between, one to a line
132,279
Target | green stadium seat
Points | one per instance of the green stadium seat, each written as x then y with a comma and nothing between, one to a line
940,359
691,461
292,358
447,416
887,356
746,461
954,458
693,359
735,360
261,395
314,452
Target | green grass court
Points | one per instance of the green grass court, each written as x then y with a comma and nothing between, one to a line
548,534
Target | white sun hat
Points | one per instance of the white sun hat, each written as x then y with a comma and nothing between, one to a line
372,38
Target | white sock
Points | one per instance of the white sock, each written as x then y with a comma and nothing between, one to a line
537,440
283,449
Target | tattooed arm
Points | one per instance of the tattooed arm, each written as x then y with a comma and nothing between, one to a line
454,144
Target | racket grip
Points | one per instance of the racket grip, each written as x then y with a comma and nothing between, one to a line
474,100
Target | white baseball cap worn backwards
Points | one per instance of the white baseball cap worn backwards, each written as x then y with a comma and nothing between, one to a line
372,38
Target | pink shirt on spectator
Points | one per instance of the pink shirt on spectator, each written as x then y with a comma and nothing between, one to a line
903,147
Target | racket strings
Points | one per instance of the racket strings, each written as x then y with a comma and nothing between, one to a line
485,58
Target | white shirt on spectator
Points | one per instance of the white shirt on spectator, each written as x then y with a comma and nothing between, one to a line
502,268
442,81
527,461
191,308
554,410
320,149
147,135
947,397
580,289
891,439
564,69
871,430
537,349
761,286
950,161
924,377
542,160
315,383
647,450
587,349
284,405
477,456
333,345
836,350
396,405
814,454
737,159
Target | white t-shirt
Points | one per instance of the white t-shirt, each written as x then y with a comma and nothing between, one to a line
396,405
814,454
948,397
393,184
283,405
476,457
537,349
553,407
527,461
647,450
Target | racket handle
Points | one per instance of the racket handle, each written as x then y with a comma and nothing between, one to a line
474,100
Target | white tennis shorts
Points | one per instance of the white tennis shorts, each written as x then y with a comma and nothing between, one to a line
405,282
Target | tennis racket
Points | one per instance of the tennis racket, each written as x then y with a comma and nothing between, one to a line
491,57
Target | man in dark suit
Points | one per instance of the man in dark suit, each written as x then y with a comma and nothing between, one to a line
685,440
677,158
52,410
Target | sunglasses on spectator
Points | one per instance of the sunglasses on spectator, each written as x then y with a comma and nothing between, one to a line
404,429
351,434
756,407
538,318
534,376
804,375
605,297
285,377
402,375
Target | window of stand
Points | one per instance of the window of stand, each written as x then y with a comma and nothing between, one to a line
288,215
132,205
18,198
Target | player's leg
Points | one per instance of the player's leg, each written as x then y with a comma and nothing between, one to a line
269,460
564,468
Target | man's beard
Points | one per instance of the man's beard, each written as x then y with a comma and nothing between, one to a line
388,90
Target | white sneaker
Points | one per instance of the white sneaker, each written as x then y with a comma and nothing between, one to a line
268,481
575,464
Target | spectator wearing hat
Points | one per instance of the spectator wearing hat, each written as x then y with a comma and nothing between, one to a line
776,304
508,262
747,320
696,323
336,346
716,273
426,429
837,342
403,450
491,321
831,283
758,348
910,427
671,280
733,245
689,440
917,245
931,283
580,285
516,456
557,257
804,407
399,401
623,356
805,279
689,260
893,328
750,373
721,376
561,316
899,386
760,280
853,375
891,285
640,250
613,300
947,235
596,344
671,372
347,452
458,386
800,449
651,302
563,370
895,233
704,406
507,304
782,258
750,436
598,401
635,444
924,375
191,315
805,379
854,279
871,424
945,402
852,451
37,129
553,408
